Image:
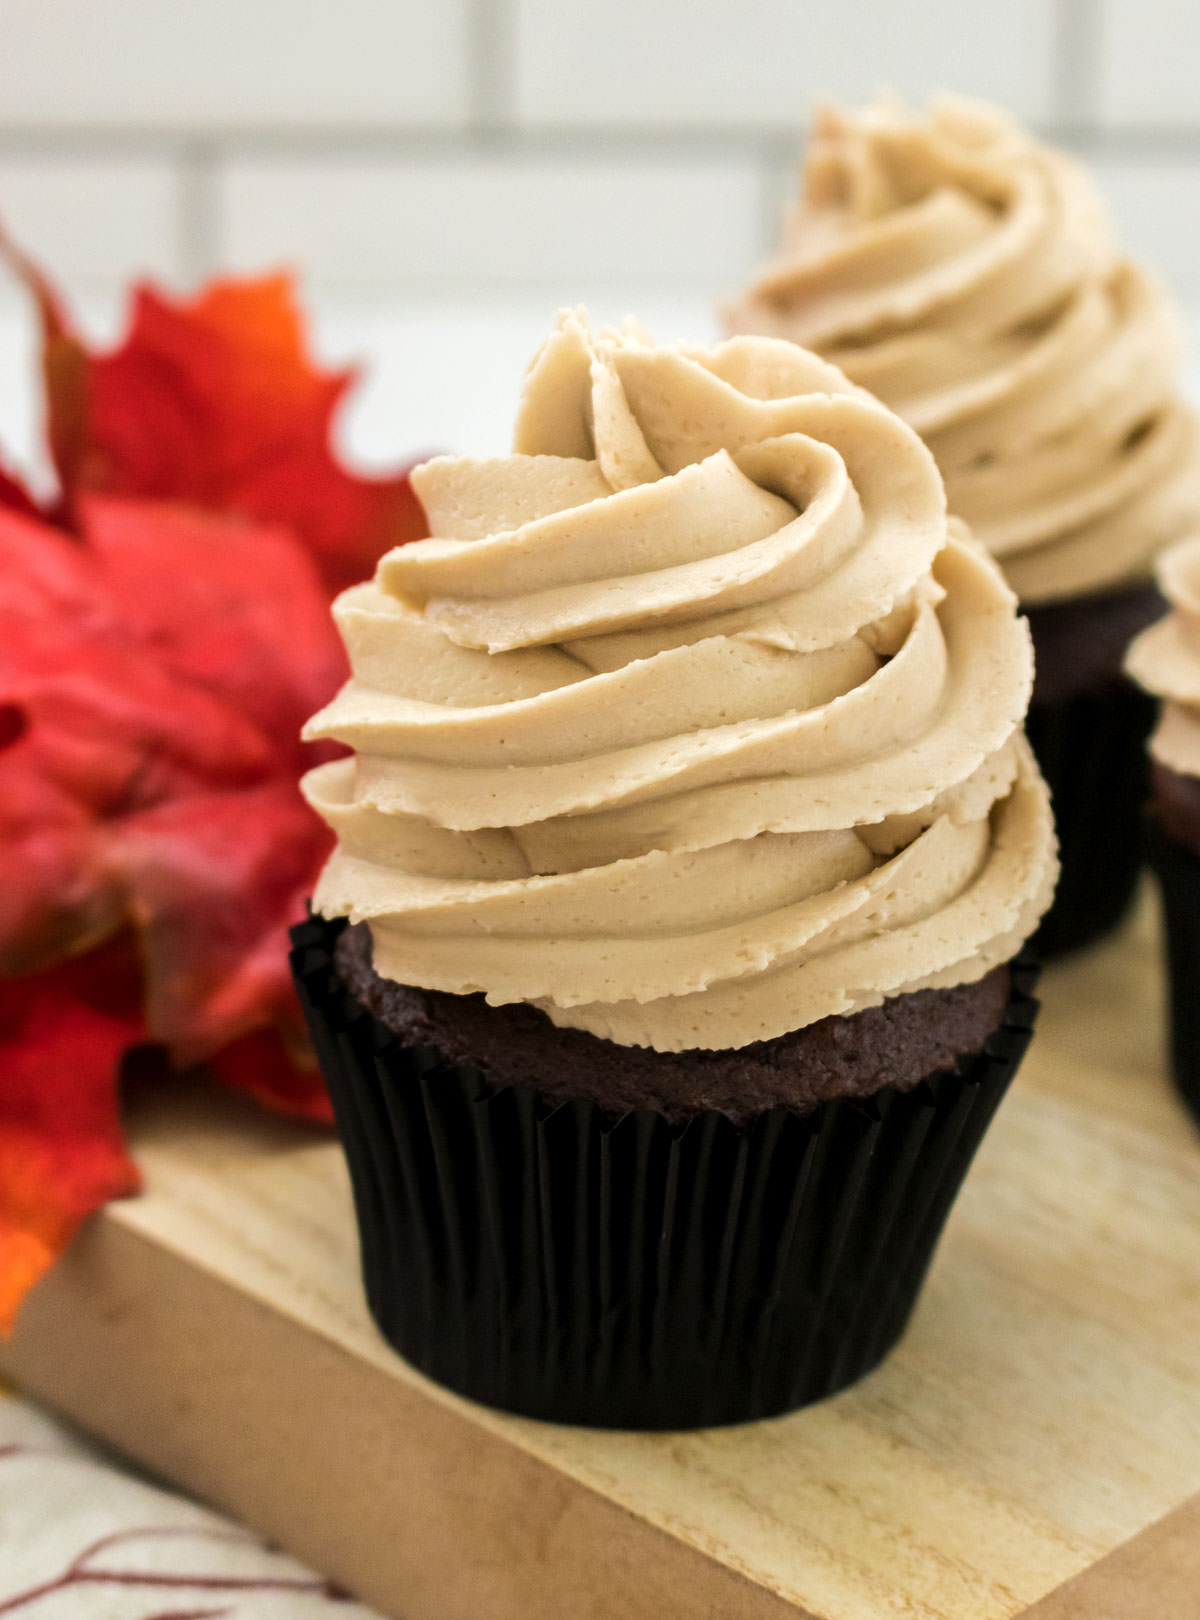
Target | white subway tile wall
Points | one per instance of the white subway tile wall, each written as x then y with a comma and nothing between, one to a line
566,226
214,65
755,63
103,219
1150,62
424,146
1156,203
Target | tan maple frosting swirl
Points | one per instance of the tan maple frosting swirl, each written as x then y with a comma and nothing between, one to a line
968,276
1165,659
691,723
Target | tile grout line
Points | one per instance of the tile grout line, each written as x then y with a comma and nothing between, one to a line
778,167
198,232
1076,64
603,143
491,87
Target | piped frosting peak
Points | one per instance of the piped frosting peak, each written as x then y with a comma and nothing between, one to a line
691,722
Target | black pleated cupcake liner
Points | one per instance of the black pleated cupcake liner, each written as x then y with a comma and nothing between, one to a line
624,1272
1092,752
1178,871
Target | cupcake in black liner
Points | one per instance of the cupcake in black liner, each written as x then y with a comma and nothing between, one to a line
689,845
1088,725
1165,660
1176,865
969,276
641,1269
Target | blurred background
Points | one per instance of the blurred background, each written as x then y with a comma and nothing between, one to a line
445,173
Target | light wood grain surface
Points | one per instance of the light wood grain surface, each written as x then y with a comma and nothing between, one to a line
1042,1412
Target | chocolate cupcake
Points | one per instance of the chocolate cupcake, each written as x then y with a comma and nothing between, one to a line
1165,661
666,970
969,277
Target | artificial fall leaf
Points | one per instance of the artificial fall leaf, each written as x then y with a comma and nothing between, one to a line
164,632
105,732
62,1036
214,402
154,675
64,371
215,880
235,611
162,671
14,497
259,1065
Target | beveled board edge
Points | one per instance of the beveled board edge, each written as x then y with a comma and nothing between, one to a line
1153,1576
398,1497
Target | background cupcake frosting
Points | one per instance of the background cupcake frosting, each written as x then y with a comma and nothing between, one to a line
689,724
969,276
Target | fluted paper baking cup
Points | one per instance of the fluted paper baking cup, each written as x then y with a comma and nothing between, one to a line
1178,871
624,1272
1092,752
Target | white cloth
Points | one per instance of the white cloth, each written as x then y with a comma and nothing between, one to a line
81,1540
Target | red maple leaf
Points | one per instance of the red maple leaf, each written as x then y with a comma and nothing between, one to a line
62,1154
214,402
14,497
155,674
164,633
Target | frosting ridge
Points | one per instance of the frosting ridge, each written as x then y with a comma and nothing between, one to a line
692,721
968,276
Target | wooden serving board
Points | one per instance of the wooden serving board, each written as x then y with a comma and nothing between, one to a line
1032,1448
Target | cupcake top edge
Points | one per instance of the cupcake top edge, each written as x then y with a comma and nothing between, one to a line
691,722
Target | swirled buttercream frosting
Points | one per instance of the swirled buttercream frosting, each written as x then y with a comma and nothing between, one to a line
691,722
1165,659
968,276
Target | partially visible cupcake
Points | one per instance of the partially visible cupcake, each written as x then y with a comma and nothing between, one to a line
969,277
666,973
1165,660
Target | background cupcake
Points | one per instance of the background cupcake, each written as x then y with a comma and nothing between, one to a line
694,834
968,276
1166,661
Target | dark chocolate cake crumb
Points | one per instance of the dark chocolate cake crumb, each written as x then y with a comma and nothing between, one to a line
896,1044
